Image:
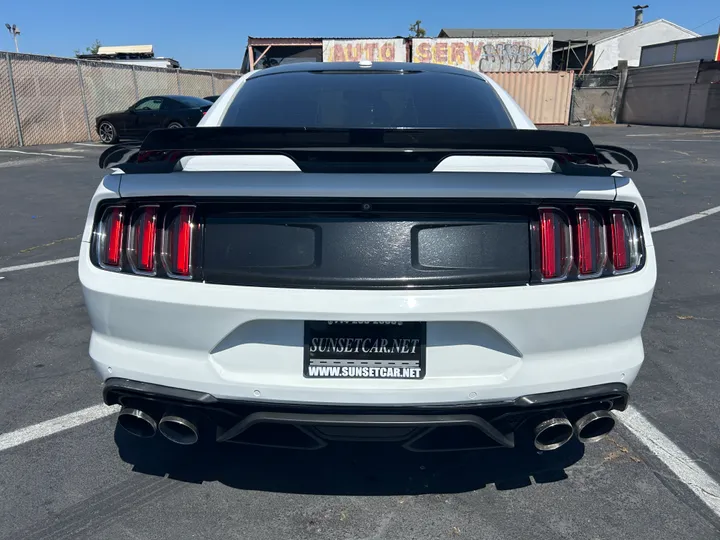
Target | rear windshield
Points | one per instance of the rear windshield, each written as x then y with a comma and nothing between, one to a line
190,101
370,99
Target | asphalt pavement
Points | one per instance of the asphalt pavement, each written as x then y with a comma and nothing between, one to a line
92,481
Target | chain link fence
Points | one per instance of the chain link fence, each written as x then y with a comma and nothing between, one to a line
49,100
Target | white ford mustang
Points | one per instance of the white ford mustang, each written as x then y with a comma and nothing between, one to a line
367,252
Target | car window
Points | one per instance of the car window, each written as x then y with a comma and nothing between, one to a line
171,105
150,104
190,101
369,99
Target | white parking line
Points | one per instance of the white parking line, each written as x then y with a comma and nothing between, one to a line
37,264
92,144
40,154
682,465
687,219
56,425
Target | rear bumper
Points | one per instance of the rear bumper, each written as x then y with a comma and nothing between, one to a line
483,345
460,426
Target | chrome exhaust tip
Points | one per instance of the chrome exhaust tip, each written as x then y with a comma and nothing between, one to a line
179,430
594,426
137,422
552,433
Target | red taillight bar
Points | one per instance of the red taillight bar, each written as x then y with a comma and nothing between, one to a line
591,250
109,239
142,240
555,245
624,248
178,242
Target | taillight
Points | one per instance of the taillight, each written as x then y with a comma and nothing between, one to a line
591,253
142,238
624,249
110,238
178,242
555,245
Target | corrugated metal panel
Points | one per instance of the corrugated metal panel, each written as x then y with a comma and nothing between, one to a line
544,96
666,75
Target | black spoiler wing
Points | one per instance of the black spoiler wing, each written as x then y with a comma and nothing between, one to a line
367,149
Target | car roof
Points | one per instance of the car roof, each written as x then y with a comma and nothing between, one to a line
363,66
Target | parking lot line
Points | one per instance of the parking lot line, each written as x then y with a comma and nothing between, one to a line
682,465
40,154
56,425
687,219
37,264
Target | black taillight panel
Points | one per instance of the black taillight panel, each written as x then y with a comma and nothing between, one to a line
566,241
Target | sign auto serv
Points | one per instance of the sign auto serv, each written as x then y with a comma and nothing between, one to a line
489,54
354,50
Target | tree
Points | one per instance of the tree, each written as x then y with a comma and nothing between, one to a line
92,49
416,30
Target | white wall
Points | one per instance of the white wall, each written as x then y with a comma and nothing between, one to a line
627,46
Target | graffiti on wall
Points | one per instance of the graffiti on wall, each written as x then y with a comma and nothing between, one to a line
490,54
354,50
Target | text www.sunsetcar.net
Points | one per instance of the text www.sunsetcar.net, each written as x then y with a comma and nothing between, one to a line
364,372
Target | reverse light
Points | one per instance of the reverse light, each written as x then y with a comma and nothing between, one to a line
178,242
110,238
142,240
555,245
590,244
624,249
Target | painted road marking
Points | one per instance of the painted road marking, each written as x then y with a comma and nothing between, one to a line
37,264
682,465
688,219
657,228
92,144
41,154
56,425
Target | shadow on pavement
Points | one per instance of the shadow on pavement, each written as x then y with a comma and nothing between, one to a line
345,468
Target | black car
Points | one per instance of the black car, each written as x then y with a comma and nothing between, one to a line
211,98
151,113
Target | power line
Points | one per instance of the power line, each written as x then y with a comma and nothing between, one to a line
706,22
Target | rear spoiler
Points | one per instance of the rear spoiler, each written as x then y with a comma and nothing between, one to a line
367,149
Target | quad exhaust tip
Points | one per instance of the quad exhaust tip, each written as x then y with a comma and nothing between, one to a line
137,423
552,433
178,429
594,426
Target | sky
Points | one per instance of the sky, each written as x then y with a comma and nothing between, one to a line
214,34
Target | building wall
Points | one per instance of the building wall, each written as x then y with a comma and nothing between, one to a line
673,95
702,48
628,46
487,55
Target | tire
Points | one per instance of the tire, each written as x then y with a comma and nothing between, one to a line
175,125
107,132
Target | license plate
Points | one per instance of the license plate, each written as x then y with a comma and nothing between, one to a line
364,350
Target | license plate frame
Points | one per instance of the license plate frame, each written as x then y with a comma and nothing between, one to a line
364,350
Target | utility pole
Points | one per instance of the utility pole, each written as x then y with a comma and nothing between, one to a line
14,32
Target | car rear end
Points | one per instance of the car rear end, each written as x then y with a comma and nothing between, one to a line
446,288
